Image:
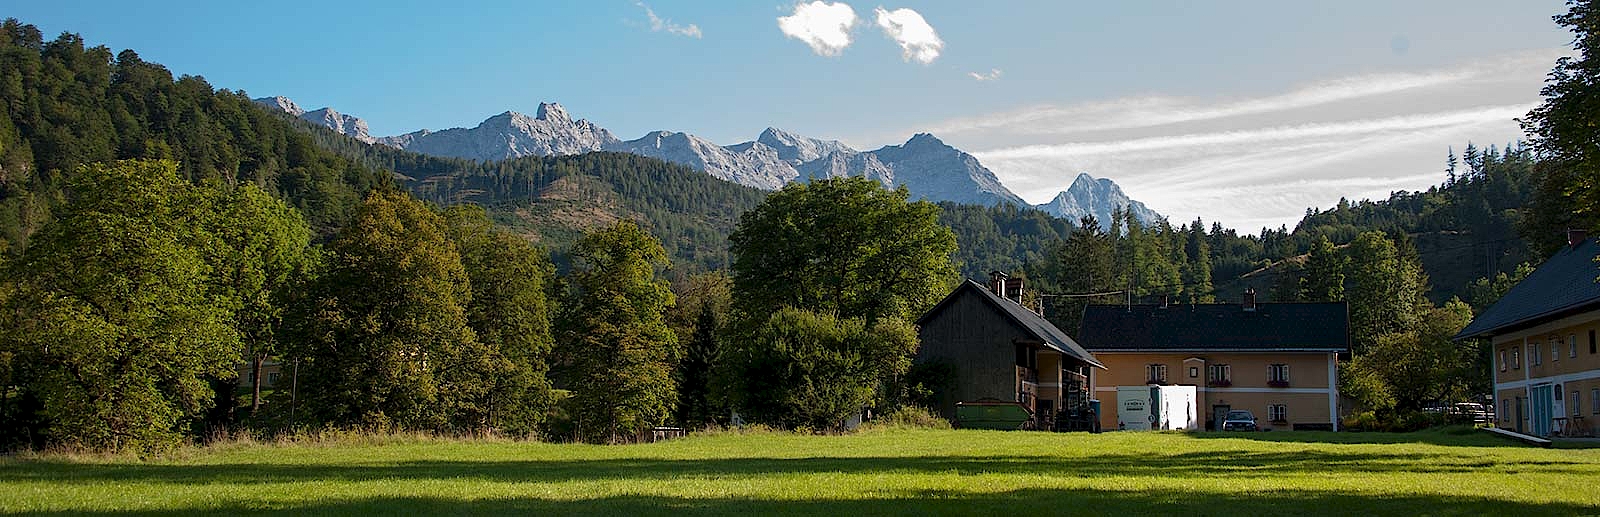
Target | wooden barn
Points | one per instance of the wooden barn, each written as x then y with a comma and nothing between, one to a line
990,350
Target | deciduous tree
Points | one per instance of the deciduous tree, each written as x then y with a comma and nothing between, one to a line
842,245
616,343
804,369
113,324
388,340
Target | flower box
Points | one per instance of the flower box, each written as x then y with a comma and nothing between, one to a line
1278,384
1220,384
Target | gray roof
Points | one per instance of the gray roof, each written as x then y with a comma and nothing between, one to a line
1563,285
1036,326
1210,327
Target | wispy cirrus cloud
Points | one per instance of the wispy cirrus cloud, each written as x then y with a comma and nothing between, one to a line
1261,161
917,39
992,75
659,24
823,26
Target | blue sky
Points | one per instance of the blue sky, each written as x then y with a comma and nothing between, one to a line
1242,111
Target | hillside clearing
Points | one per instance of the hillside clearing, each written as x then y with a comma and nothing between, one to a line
879,472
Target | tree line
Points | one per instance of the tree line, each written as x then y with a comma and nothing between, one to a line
140,316
164,239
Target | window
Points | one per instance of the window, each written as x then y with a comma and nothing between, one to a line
1502,359
1591,341
1575,403
1505,410
1278,375
1555,349
1220,374
1594,400
1572,345
272,379
1194,371
1558,392
1278,413
1156,373
1533,356
1516,358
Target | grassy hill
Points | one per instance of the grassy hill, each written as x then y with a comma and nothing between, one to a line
884,472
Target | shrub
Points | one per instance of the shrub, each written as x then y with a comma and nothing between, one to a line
1393,422
907,417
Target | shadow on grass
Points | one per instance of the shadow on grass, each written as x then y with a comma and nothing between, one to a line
1031,501
1234,464
1447,436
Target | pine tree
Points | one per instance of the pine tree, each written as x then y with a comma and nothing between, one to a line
1324,276
1197,273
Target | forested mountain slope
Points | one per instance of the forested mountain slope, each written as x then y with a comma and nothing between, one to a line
1471,226
67,105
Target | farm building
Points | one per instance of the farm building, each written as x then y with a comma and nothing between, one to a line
992,350
1546,367
1278,360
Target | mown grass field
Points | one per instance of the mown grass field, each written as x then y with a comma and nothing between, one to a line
884,472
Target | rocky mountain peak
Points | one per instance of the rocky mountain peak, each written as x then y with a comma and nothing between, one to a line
797,149
1097,197
924,140
326,117
553,112
281,103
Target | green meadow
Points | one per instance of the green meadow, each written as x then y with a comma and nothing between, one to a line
879,472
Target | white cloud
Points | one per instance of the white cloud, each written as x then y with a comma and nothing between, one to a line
1260,136
824,26
1148,111
994,73
917,39
657,24
1252,162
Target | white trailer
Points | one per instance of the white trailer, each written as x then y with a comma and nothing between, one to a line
1165,408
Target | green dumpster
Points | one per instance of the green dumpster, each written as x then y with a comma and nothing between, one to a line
985,414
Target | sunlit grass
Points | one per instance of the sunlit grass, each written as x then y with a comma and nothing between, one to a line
879,472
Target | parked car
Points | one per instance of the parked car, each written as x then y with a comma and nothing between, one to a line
1239,420
1472,411
1463,412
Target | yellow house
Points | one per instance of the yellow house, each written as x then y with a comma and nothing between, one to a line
1280,361
1542,335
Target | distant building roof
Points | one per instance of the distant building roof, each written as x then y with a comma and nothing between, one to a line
1563,285
1038,327
1217,327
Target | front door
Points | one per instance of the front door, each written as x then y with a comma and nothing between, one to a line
1540,402
1522,415
1219,412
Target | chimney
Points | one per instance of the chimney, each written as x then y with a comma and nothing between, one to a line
997,283
1576,237
1249,299
1013,290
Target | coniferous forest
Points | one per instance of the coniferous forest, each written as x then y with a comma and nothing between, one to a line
162,241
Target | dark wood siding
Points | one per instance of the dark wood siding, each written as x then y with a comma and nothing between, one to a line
979,344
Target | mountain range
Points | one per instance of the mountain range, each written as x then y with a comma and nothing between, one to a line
929,168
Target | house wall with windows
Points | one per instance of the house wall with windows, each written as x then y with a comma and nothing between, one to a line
1232,380
1280,361
1543,344
1560,357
